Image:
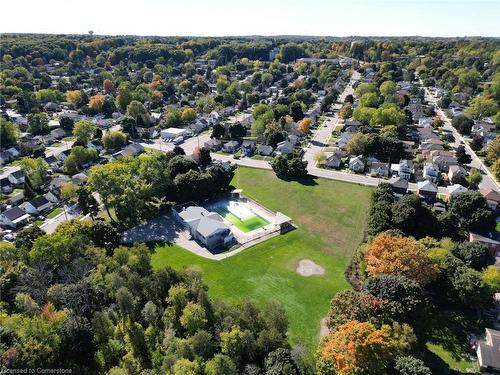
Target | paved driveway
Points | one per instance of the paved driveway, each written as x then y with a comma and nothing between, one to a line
165,228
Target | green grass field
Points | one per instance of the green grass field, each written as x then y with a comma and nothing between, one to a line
247,225
54,212
330,216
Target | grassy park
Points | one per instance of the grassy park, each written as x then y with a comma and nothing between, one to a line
330,216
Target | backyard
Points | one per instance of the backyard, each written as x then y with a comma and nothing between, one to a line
330,216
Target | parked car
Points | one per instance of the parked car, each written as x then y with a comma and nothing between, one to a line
178,140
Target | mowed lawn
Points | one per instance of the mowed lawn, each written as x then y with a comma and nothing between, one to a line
331,218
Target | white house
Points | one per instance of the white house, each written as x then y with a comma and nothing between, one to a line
488,351
430,172
13,217
172,133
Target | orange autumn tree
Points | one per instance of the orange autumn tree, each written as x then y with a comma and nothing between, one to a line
396,255
96,102
359,347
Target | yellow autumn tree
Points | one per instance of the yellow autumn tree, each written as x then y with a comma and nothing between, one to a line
304,125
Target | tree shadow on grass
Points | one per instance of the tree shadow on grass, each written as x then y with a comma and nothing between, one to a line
448,329
306,181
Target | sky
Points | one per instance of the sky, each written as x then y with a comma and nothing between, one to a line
253,17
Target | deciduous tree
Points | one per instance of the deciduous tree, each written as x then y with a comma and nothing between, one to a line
396,255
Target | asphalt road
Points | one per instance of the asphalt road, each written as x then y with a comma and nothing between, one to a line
49,151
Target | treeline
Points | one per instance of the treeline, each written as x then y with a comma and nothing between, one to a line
140,188
75,299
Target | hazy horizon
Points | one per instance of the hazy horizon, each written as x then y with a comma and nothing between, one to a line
227,18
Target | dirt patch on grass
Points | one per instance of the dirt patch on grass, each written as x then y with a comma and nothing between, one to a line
323,327
308,268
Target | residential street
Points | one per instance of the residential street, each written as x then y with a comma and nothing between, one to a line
488,181
49,151
188,145
322,135
50,225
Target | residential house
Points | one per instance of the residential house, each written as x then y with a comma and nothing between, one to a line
206,227
403,169
490,240
444,162
52,161
333,160
352,122
5,185
425,122
199,125
16,178
248,147
16,197
5,157
357,164
213,145
57,182
399,185
38,205
488,351
14,217
456,171
343,140
172,133
132,149
455,109
430,173
58,133
378,168
96,144
63,155
427,147
231,146
79,179
284,148
293,139
454,190
52,196
427,190
14,152
492,198
265,150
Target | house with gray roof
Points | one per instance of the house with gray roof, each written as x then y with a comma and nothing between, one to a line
231,146
334,160
38,205
488,351
427,190
206,227
265,150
